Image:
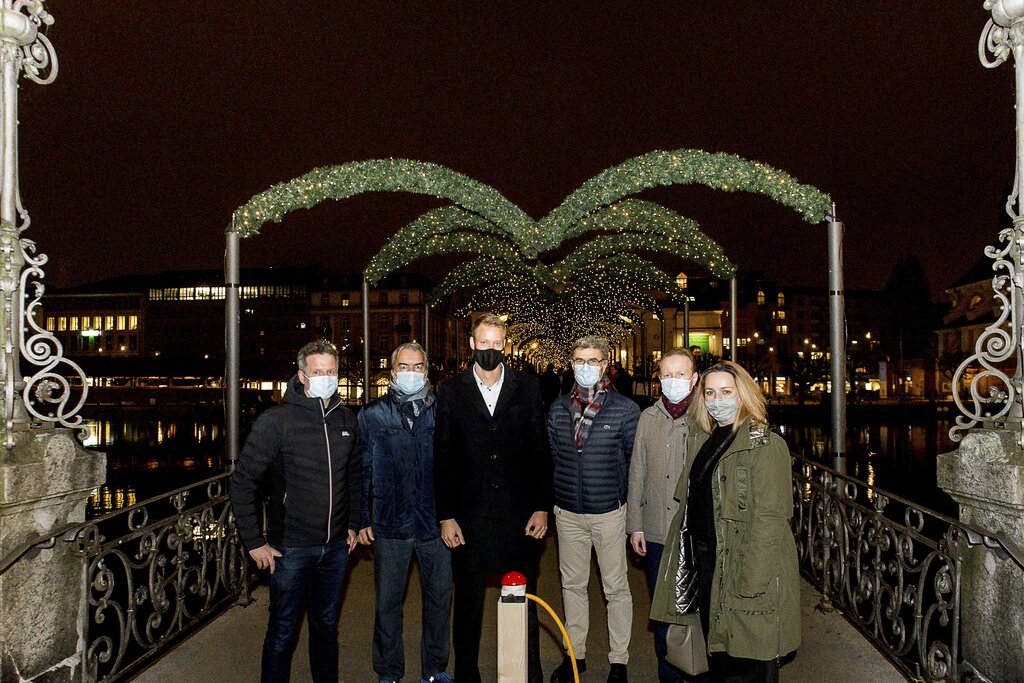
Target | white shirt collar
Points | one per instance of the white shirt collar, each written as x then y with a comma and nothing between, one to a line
490,393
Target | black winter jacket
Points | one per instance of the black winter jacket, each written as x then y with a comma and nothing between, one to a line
314,460
593,481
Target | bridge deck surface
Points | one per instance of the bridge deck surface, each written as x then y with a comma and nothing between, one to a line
228,649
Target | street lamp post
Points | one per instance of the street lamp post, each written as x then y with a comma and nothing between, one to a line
682,281
44,395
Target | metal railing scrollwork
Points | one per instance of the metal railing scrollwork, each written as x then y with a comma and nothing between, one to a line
891,566
996,385
154,572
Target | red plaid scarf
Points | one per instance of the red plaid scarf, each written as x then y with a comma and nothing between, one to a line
677,410
585,404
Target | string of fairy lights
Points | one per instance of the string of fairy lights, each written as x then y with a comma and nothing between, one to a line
594,289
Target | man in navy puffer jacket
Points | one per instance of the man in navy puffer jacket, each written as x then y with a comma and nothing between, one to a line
309,448
591,431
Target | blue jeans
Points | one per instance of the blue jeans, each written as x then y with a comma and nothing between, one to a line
666,672
391,558
306,582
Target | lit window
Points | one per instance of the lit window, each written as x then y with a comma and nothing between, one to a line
782,315
345,301
62,324
97,322
121,321
133,322
760,297
108,323
782,299
51,324
74,323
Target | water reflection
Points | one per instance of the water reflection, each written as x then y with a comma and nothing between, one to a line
897,455
149,457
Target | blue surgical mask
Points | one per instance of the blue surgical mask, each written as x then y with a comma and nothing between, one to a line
323,386
722,410
408,382
587,375
675,389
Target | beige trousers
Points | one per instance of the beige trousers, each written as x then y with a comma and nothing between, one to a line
606,534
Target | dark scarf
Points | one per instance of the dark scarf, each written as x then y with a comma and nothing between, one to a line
677,410
693,577
411,405
585,403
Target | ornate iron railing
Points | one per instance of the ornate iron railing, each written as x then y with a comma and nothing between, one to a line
154,572
891,566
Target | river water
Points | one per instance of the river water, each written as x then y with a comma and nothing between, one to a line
146,457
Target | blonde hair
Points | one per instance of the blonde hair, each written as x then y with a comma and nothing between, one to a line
752,404
489,319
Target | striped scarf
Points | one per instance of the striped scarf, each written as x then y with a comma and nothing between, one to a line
585,403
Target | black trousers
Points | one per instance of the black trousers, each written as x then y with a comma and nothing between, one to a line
467,623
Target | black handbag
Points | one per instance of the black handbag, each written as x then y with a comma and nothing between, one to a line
686,649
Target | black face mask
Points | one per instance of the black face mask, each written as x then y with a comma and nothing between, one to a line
487,359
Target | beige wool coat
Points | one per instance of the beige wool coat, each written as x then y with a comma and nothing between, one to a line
659,457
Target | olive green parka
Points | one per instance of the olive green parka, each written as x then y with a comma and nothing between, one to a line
755,594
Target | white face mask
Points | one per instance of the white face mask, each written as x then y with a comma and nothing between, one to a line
722,410
409,382
323,386
675,389
587,375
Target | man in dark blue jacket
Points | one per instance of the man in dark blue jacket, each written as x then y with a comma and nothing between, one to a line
309,448
399,517
591,432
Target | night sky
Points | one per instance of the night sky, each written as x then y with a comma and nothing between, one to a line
167,115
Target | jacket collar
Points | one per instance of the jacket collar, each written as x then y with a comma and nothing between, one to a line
508,386
751,434
295,394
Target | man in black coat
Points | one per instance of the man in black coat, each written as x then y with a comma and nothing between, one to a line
493,486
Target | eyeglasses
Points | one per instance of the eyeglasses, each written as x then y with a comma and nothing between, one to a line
580,362
405,367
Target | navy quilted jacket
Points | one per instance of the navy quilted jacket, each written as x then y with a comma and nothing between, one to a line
398,471
593,481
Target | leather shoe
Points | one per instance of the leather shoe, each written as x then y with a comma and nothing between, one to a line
563,674
618,674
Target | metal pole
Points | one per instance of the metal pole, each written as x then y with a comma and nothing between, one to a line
366,341
426,328
232,346
732,319
686,322
837,340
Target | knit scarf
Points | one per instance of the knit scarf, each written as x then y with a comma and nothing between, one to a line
411,405
677,410
585,403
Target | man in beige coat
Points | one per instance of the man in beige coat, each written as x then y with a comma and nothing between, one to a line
659,456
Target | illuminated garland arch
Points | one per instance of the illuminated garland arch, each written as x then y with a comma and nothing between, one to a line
385,175
720,171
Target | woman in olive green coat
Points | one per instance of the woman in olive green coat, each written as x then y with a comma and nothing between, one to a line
730,563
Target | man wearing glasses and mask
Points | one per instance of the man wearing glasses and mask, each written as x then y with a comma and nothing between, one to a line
399,517
492,476
591,432
309,448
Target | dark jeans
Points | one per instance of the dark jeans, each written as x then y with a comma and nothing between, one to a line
391,558
468,615
666,672
728,669
306,582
